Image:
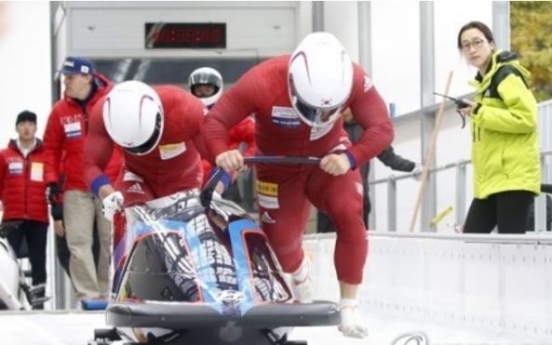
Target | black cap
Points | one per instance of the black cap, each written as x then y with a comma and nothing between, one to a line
26,116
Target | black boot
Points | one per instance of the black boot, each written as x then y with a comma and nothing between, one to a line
36,295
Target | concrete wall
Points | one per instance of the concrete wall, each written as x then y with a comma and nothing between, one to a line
116,29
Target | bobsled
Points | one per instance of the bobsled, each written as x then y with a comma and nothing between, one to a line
15,293
11,295
195,269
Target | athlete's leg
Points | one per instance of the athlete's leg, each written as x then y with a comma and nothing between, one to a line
341,197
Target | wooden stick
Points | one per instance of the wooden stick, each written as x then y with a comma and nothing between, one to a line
431,154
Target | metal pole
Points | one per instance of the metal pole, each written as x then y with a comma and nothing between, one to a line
317,16
460,193
58,285
501,24
391,205
64,295
365,60
427,68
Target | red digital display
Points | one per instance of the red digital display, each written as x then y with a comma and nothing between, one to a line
185,35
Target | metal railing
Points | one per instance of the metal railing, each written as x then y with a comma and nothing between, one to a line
545,134
536,238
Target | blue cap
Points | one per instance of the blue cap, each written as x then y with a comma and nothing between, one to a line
77,65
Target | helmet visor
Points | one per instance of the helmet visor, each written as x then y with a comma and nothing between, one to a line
204,90
315,116
150,144
205,79
311,115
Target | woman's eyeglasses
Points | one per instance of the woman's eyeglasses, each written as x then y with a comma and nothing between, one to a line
477,43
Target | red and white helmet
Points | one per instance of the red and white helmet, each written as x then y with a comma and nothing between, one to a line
133,117
320,79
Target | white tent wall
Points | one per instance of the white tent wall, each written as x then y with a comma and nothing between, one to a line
25,65
25,76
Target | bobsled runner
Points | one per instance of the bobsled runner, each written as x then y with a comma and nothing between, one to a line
195,269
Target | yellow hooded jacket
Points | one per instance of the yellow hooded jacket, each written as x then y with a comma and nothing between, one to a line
505,148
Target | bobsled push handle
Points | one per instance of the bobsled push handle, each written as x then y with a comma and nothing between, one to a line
281,160
207,192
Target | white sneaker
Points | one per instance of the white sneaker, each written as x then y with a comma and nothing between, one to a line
352,325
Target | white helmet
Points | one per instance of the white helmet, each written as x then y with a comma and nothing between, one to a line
206,76
133,117
320,79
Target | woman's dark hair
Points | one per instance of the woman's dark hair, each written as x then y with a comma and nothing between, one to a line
475,25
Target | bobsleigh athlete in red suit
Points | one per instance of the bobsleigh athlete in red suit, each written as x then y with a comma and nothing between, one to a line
297,100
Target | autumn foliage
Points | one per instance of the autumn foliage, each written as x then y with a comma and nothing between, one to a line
531,37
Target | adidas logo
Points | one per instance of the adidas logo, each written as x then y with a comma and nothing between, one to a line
267,219
135,188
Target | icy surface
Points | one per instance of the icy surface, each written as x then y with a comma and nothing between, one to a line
76,328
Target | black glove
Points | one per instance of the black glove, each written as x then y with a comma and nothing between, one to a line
56,210
8,226
54,193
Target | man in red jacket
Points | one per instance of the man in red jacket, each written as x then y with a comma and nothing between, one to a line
64,138
297,101
207,84
22,189
158,130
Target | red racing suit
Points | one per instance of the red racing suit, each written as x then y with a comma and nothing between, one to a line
243,132
172,167
284,193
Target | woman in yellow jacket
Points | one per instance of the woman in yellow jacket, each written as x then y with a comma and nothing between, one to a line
505,145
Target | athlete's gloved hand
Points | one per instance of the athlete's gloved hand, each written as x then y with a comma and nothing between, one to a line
335,164
230,160
217,195
112,204
417,171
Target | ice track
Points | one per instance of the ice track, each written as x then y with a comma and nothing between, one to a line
76,328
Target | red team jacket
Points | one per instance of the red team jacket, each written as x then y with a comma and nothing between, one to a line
174,165
64,139
263,90
22,184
